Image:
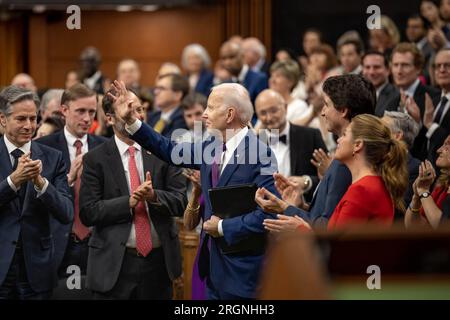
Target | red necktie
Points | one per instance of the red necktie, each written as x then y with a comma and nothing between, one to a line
78,228
141,219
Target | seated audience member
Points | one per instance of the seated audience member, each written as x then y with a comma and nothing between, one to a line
292,145
284,76
72,78
430,11
377,163
169,92
427,208
167,68
129,72
284,54
51,104
33,191
49,126
384,39
312,38
376,70
404,128
255,55
350,52
24,80
196,63
345,97
90,73
194,104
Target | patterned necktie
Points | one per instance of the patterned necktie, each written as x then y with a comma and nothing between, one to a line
440,111
159,126
17,153
141,219
78,228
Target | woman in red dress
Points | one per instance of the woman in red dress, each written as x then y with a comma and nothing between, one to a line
379,179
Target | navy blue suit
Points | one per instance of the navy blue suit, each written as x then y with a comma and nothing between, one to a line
176,121
255,82
205,82
229,275
32,220
329,192
61,232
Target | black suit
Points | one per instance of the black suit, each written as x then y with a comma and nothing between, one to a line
438,137
176,121
104,205
61,232
388,99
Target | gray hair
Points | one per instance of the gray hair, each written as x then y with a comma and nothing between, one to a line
13,94
198,50
256,45
237,96
403,122
49,96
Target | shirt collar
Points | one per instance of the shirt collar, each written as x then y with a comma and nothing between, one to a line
11,147
70,138
166,115
243,73
258,66
123,147
380,88
233,143
357,70
421,43
412,88
95,76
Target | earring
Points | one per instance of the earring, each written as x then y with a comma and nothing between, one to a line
353,154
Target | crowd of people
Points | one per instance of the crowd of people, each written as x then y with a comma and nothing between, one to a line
93,174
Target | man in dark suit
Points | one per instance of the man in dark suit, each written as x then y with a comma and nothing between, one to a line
404,128
406,66
91,75
231,56
293,145
376,70
234,157
169,92
345,97
436,121
33,189
78,105
254,53
131,197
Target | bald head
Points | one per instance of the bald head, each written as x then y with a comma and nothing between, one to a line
231,56
271,109
25,81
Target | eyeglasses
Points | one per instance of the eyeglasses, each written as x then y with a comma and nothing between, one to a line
437,66
155,89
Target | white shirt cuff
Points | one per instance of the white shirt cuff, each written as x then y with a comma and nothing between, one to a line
219,227
431,130
40,192
11,184
134,127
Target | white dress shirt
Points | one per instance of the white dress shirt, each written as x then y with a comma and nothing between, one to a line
70,138
25,149
282,151
125,156
412,88
90,82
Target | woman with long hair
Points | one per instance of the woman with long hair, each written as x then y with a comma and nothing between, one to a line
379,179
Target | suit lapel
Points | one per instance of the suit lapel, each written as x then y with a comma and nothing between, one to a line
36,154
64,148
239,157
294,153
6,167
116,166
147,161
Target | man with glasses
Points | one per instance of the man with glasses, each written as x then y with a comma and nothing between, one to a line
169,92
79,106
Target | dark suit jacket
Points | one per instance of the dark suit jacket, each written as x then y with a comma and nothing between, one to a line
329,192
413,172
205,82
255,82
237,275
388,99
104,205
176,121
61,232
32,219
438,137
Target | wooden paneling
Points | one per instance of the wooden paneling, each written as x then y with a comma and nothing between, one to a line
11,49
149,37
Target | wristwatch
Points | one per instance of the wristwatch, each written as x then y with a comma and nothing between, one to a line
423,195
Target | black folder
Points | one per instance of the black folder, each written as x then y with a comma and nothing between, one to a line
232,201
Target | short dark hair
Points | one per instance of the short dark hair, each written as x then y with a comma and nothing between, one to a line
192,99
75,92
353,92
56,122
357,44
373,52
425,22
178,83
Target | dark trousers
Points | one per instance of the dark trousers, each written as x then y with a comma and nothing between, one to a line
76,254
213,294
16,285
141,278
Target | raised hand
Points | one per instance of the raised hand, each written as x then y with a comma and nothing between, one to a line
75,169
429,111
122,104
26,170
426,177
269,202
321,161
413,109
145,191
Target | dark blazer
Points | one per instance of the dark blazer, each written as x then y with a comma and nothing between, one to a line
303,141
61,232
388,99
32,218
329,192
104,205
413,173
438,137
205,82
235,275
255,82
176,121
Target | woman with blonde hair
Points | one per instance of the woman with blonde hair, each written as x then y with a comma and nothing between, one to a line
377,163
385,38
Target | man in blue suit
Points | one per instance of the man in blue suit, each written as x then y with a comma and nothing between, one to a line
33,189
243,159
